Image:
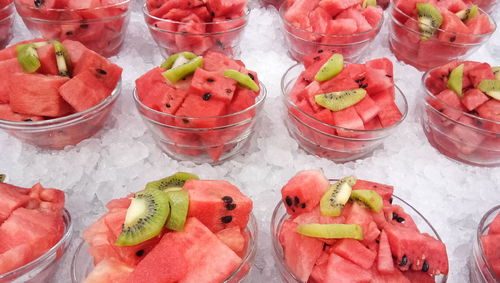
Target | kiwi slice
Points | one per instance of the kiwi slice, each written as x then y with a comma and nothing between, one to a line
455,80
179,204
429,19
331,68
175,181
337,195
62,58
172,59
496,72
243,79
331,231
28,57
369,198
340,100
179,72
2,178
468,14
367,3
145,218
491,88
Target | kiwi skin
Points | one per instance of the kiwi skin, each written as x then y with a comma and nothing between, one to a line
176,180
429,19
369,198
491,88
337,195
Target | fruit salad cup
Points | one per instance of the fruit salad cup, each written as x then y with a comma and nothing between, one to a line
483,270
454,131
366,261
221,34
323,139
339,35
100,28
453,40
6,21
485,5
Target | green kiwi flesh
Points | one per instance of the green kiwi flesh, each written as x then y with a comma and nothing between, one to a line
496,72
337,195
331,68
455,80
177,73
367,3
175,181
28,57
429,19
468,14
340,100
145,219
2,178
331,231
244,80
491,88
173,58
369,198
62,59
179,204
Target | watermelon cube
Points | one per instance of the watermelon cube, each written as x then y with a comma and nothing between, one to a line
343,271
389,115
348,119
212,85
355,252
473,98
83,91
367,109
10,199
109,270
47,57
303,192
495,226
195,105
6,113
106,72
226,7
7,68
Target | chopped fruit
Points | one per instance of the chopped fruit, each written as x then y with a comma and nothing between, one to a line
333,201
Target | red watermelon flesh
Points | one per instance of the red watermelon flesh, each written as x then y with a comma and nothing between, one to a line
490,110
479,73
343,271
297,13
480,24
83,91
106,72
118,204
473,98
390,115
373,15
196,106
319,271
214,61
319,20
367,109
361,216
35,94
46,199
75,50
226,7
353,13
109,270
385,263
336,6
382,64
396,215
6,113
208,202
304,191
348,119
233,238
98,237
212,85
495,226
300,252
455,29
385,191
355,252
418,276
10,200
47,57
7,68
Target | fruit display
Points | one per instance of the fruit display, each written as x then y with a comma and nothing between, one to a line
485,260
346,27
430,33
342,111
200,108
99,24
32,222
196,26
6,21
55,93
461,115
177,229
352,230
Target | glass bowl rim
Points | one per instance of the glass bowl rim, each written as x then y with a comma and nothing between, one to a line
479,233
7,7
490,18
66,237
123,2
251,250
381,130
65,120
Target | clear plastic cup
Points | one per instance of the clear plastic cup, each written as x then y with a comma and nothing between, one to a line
227,138
280,215
43,268
321,139
480,270
174,36
6,21
303,42
457,134
68,130
101,29
406,44
83,262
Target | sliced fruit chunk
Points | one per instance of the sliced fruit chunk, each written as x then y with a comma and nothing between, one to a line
336,197
331,231
455,80
496,72
28,57
172,59
340,100
176,180
368,198
429,19
242,79
331,68
367,3
62,59
491,88
468,14
178,73
179,204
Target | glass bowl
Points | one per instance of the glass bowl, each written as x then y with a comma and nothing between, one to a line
101,29
43,268
68,130
174,36
457,134
280,215
229,135
6,21
302,42
319,138
406,45
480,270
486,5
83,263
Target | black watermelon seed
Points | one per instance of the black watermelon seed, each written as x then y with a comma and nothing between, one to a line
400,219
207,96
227,199
69,33
101,71
228,90
390,200
288,201
168,105
425,266
316,58
212,14
297,200
28,120
251,76
394,216
320,51
389,76
404,261
186,121
139,253
303,205
226,219
210,80
230,206
84,26
38,3
453,38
